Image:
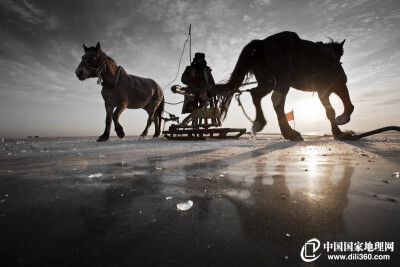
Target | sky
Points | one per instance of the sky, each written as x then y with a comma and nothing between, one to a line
41,46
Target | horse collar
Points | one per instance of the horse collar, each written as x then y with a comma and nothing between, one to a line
113,85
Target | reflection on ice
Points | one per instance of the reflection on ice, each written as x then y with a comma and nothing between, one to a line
96,175
185,205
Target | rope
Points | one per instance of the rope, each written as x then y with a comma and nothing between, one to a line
190,44
172,117
351,135
388,128
180,59
173,103
237,96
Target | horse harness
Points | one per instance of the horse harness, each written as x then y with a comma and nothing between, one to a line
101,69
113,85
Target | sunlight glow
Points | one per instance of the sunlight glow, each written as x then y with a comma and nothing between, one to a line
312,160
310,110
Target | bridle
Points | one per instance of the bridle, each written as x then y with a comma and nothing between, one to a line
101,68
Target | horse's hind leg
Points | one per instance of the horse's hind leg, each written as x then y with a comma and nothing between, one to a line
118,128
343,94
278,100
257,95
260,120
330,113
146,129
151,112
157,125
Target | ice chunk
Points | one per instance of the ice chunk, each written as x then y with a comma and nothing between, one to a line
158,168
223,174
168,198
396,174
185,205
95,175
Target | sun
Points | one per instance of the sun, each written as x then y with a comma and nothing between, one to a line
310,109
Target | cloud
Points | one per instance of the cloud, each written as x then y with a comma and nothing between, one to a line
262,3
246,18
29,16
42,43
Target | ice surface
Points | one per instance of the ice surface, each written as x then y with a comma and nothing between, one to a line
267,186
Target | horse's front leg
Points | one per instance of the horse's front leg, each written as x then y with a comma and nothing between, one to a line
278,100
109,112
330,113
118,128
342,91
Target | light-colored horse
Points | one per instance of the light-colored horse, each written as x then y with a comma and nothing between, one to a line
121,90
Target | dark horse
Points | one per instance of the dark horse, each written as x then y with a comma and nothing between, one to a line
121,90
282,61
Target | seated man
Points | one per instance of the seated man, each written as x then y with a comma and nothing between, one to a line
198,79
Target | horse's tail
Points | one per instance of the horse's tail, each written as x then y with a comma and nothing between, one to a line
241,73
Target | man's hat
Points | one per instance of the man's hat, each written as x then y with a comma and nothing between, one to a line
199,55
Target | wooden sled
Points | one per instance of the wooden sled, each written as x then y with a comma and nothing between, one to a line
202,124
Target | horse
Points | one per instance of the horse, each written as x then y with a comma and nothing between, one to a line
121,90
281,61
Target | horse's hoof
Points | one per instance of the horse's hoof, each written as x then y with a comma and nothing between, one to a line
120,132
342,119
142,137
294,136
348,135
102,138
258,126
155,136
297,138
121,135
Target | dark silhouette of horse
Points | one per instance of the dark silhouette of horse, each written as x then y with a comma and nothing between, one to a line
282,61
121,90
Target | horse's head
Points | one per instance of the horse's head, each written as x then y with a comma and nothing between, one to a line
336,47
92,64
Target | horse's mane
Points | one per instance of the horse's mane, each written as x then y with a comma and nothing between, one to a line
108,59
335,46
